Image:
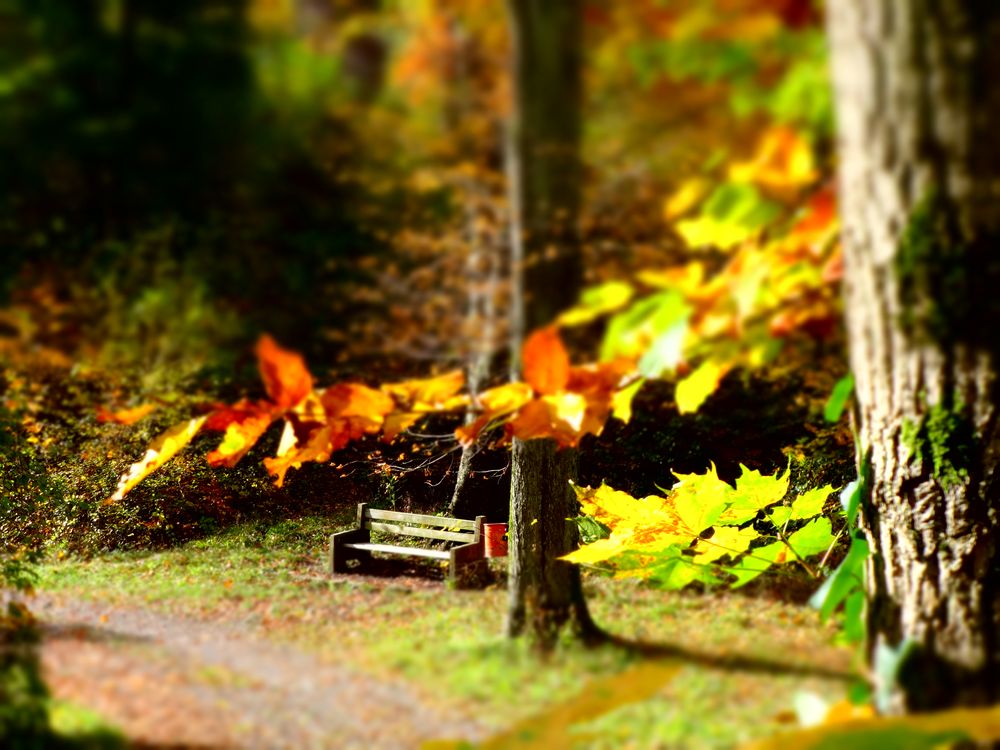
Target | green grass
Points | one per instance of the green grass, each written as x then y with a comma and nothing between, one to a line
77,728
448,644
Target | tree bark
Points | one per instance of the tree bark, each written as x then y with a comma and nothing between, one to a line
544,175
917,104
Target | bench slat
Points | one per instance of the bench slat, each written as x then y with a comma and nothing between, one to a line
437,554
393,528
414,518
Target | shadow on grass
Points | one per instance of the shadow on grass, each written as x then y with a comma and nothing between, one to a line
725,662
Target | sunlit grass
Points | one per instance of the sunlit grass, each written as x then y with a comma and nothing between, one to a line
449,646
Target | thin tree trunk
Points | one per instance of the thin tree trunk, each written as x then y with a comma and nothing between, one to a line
544,174
918,104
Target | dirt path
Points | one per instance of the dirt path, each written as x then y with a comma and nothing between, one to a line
173,682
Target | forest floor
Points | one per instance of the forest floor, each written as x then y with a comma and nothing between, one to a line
242,640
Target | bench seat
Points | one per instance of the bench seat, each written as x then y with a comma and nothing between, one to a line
392,549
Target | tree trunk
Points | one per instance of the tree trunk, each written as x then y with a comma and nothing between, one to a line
917,104
544,175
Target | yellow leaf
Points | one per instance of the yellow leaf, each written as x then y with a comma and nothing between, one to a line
783,159
699,385
161,450
621,401
727,540
686,197
707,231
427,394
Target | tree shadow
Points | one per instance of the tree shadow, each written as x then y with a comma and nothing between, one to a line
724,662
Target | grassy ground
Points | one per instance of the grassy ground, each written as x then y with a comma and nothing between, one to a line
448,643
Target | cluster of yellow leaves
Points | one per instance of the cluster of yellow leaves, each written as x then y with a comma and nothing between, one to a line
685,534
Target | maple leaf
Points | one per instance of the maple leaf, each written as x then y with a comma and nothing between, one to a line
161,450
545,361
286,379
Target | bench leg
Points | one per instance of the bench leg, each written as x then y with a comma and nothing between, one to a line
340,554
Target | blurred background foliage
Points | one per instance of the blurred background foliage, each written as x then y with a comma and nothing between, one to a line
177,178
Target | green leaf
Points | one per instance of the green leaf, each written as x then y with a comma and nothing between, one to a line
813,538
847,578
810,503
733,213
779,515
753,493
888,664
854,617
838,399
666,351
630,331
759,561
850,500
597,301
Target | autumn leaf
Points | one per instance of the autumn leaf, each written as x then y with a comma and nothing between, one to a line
429,394
318,448
125,416
161,450
240,437
356,400
496,403
699,385
286,379
783,159
686,197
545,362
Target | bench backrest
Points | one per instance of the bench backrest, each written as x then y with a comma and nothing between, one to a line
415,524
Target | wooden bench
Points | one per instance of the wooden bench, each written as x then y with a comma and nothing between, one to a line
356,544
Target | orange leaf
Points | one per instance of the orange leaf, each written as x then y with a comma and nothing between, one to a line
241,436
317,448
545,361
356,400
561,418
496,403
242,411
125,416
286,379
397,423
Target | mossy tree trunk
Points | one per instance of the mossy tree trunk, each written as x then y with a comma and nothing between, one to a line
544,172
918,107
